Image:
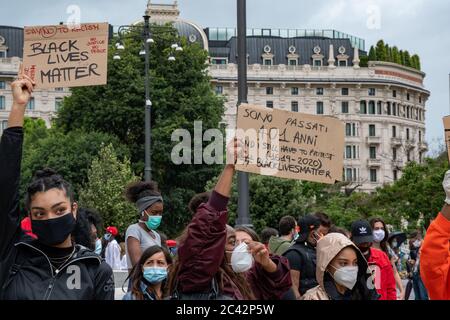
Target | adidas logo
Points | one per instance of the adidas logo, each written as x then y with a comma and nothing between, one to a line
363,230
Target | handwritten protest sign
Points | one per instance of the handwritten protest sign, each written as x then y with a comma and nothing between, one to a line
63,56
290,144
447,134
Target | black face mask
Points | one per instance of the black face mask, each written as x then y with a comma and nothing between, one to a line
365,250
54,231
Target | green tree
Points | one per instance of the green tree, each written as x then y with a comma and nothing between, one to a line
69,154
407,57
419,191
104,189
364,61
372,54
396,55
415,62
181,93
388,50
34,129
381,51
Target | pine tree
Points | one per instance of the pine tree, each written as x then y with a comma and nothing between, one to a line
396,55
415,62
381,51
407,59
372,54
388,53
402,57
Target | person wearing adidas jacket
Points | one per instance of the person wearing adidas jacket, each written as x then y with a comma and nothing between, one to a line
51,267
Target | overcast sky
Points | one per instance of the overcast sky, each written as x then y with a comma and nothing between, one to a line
420,26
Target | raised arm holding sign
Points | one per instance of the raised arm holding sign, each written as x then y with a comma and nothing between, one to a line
61,56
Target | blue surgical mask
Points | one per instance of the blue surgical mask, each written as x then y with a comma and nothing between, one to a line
153,222
155,274
98,246
107,236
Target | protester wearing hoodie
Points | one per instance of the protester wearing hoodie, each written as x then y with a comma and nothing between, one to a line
342,272
378,261
287,228
435,253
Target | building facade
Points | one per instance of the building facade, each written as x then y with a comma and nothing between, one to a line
44,103
382,106
319,72
310,71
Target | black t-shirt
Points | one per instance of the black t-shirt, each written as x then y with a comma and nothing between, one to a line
295,260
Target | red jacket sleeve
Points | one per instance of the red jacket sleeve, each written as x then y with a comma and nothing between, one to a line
384,277
388,280
202,252
435,259
270,286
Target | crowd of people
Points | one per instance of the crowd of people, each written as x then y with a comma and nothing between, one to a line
62,251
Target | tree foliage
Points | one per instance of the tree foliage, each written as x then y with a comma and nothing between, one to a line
69,154
104,189
384,52
180,92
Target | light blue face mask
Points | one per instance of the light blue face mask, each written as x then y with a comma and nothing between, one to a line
154,274
153,222
98,246
107,236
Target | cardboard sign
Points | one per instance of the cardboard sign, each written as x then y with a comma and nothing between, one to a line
61,56
290,144
447,134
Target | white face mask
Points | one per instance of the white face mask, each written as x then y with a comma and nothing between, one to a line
378,235
241,258
346,276
417,243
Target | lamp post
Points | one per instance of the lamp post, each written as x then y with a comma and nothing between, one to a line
144,33
243,185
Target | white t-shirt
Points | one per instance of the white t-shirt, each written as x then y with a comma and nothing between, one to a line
112,255
124,263
144,238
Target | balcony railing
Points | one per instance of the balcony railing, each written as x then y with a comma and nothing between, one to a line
423,146
396,141
410,143
373,140
374,162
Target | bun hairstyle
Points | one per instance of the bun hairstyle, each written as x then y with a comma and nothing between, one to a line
44,180
138,190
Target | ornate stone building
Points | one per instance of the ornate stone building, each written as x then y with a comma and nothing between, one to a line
319,72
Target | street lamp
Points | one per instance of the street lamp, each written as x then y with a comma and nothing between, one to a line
144,34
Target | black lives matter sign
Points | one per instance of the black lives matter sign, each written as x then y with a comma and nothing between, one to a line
66,56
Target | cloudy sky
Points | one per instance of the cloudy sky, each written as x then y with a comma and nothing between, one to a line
420,26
